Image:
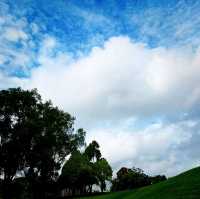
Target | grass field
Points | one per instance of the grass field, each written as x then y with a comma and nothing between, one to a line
183,186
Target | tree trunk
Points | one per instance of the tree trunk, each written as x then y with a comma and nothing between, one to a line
6,188
90,189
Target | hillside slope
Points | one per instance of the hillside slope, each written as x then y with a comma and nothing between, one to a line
183,186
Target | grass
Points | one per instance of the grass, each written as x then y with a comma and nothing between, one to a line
183,186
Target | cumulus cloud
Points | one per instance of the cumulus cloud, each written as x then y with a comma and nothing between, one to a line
121,85
116,91
140,102
122,79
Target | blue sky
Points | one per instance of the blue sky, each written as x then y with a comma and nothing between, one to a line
81,25
127,70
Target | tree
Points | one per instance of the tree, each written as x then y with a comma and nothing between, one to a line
78,174
130,179
104,172
92,151
85,169
35,137
101,166
158,178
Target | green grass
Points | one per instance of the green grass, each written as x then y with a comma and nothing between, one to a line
183,186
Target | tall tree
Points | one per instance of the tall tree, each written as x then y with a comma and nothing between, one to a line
35,136
83,170
103,172
92,151
78,174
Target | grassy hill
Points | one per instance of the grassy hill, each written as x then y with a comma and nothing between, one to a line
183,186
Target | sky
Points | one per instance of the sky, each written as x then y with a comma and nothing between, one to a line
127,70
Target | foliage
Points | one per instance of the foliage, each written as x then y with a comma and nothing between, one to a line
92,151
83,170
130,179
35,137
77,173
157,179
104,172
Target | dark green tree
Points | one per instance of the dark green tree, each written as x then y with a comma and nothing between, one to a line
83,170
78,174
158,178
130,179
92,151
35,137
103,172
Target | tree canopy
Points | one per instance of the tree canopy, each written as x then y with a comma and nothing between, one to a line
83,170
35,136
131,178
104,172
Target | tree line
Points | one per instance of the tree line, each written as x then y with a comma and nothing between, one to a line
132,178
41,153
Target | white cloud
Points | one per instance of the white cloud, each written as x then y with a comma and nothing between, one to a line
125,83
117,89
156,149
122,79
175,25
122,84
13,34
17,44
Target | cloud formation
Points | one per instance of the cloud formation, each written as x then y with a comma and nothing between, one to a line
122,79
132,83
126,83
159,148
